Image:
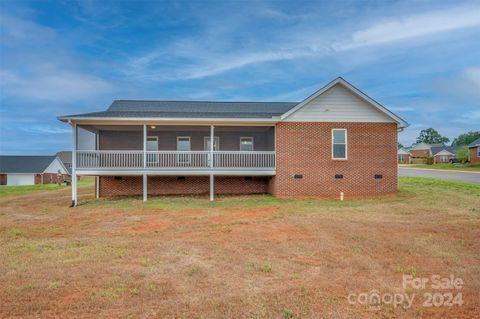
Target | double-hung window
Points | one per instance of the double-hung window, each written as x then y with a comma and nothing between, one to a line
400,157
339,144
246,144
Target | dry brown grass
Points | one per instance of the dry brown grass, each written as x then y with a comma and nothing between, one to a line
241,257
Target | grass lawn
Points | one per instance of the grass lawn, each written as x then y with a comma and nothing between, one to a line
23,190
454,167
239,257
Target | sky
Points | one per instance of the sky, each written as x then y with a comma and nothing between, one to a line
420,59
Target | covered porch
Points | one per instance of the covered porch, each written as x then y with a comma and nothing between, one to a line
173,150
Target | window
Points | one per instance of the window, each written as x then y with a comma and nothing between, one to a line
443,158
246,144
206,143
478,151
339,144
400,157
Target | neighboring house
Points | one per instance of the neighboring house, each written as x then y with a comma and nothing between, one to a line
338,140
66,158
423,150
30,170
404,156
443,154
474,149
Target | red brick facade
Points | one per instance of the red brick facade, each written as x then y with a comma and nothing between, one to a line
110,186
306,149
439,159
474,158
405,160
304,166
49,178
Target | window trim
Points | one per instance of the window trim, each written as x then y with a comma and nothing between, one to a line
246,137
346,145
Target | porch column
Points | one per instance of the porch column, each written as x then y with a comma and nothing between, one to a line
212,141
144,146
212,190
145,187
74,165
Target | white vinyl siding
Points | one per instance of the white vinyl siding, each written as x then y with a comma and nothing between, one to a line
54,167
338,104
339,144
246,144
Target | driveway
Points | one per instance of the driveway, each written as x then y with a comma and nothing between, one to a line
472,177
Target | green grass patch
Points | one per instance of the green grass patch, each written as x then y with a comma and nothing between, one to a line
449,166
22,190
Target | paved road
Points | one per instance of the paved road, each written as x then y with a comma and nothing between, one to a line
471,177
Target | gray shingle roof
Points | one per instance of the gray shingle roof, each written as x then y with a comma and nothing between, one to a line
474,143
191,109
451,149
24,164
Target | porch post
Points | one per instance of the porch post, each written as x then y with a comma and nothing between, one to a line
97,178
212,141
74,165
145,187
144,146
212,187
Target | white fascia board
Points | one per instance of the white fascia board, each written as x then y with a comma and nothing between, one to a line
401,122
166,121
443,152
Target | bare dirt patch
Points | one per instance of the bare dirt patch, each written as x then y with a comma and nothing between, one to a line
247,257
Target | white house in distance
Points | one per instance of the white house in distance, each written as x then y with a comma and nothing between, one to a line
30,170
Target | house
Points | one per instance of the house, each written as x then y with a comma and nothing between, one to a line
423,150
404,156
444,154
30,170
337,140
66,158
474,150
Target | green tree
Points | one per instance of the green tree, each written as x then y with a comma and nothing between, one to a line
462,154
430,136
399,145
465,139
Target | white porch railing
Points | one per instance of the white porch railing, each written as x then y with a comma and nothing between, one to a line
175,159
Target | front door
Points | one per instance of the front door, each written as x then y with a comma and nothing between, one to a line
183,145
152,145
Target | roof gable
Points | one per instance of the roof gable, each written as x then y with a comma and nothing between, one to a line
359,95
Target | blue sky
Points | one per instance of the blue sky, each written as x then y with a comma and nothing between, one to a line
421,59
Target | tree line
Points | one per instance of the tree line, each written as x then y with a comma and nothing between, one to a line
431,136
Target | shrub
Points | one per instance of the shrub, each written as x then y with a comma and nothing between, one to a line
429,160
462,154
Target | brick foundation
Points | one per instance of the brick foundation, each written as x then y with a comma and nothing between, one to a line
189,185
306,149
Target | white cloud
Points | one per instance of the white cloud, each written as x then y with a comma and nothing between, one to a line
53,84
414,26
401,108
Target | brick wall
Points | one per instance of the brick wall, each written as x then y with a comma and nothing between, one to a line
437,159
306,149
420,153
406,159
49,178
110,186
474,159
